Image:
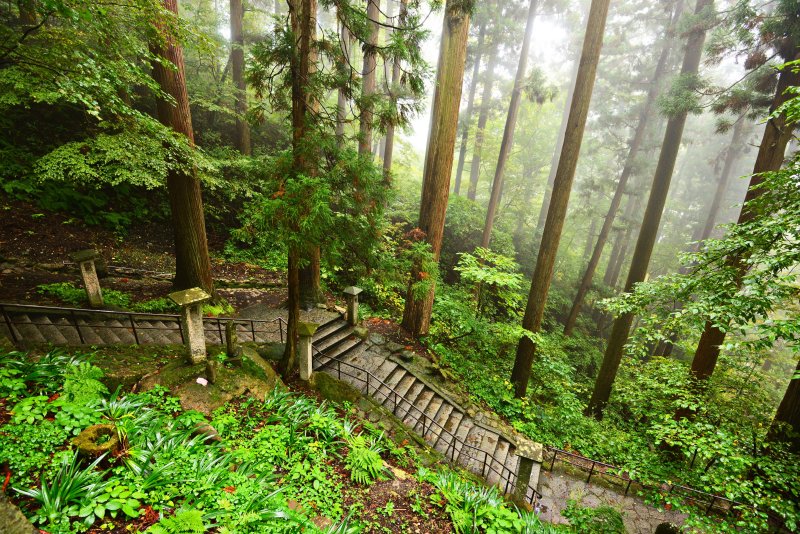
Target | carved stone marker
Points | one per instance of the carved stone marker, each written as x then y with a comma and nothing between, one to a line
304,349
191,303
86,259
232,348
351,294
530,454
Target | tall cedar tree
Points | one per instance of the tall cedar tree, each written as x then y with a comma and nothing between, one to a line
511,123
633,150
562,186
777,134
785,426
652,218
237,69
368,78
303,22
388,151
192,264
467,120
483,116
439,155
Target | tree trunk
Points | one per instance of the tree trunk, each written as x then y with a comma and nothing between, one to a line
27,12
786,425
439,154
650,224
192,264
483,118
567,162
388,152
722,186
511,124
527,195
462,155
633,150
237,63
303,20
341,106
620,251
770,158
368,79
587,249
562,132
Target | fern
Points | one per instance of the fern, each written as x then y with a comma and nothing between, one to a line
183,522
364,461
82,384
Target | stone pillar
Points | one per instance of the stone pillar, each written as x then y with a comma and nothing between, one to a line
86,259
232,348
530,456
305,360
191,303
351,294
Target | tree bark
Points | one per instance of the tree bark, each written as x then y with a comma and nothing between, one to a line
511,124
192,264
633,150
567,163
368,79
27,12
237,64
483,118
341,106
473,86
562,132
785,426
388,152
777,134
650,224
439,155
302,14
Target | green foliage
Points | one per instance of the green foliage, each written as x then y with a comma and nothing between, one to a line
183,522
495,278
364,460
601,520
82,384
66,292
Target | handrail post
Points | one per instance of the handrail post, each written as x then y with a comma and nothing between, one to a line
77,327
253,330
553,463
280,327
219,330
9,324
591,471
133,327
529,453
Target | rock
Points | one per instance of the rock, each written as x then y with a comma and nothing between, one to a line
12,520
272,352
374,416
361,332
377,339
89,442
407,356
391,346
399,474
204,429
322,522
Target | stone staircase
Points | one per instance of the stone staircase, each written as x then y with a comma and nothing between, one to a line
366,365
424,408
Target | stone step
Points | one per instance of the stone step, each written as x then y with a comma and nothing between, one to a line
122,330
67,330
90,336
327,328
404,385
440,419
341,330
411,396
425,426
450,428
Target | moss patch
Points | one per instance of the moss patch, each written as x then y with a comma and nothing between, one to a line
97,440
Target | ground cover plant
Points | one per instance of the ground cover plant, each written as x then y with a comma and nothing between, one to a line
285,464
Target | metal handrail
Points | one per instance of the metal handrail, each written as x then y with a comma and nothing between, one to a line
487,467
712,499
211,324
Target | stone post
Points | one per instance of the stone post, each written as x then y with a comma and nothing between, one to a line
191,303
530,455
86,259
351,294
305,350
232,348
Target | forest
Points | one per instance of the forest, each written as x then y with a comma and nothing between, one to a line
399,266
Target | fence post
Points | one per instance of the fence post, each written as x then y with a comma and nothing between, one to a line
305,349
591,471
86,259
77,327
529,453
191,303
9,325
351,294
133,327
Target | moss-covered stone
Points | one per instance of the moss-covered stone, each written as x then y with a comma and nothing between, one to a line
12,521
333,389
97,440
272,352
257,367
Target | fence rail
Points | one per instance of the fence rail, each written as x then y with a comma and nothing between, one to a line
133,322
485,463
